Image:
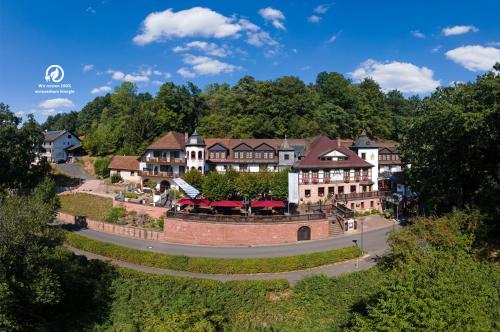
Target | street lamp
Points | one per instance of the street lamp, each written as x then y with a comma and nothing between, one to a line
357,257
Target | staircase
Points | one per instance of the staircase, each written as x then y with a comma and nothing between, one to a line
334,227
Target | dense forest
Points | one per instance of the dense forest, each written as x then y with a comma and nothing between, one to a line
125,121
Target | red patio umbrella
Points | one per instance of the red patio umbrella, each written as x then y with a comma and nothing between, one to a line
193,201
231,204
264,204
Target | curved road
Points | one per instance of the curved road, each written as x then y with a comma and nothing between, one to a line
373,241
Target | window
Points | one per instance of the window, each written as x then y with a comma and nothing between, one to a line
176,154
307,193
193,155
341,189
347,174
217,155
371,204
199,168
69,136
236,155
223,155
258,155
265,155
353,189
314,174
156,154
352,206
132,173
249,155
331,191
326,174
321,191
363,156
243,168
362,205
200,155
212,155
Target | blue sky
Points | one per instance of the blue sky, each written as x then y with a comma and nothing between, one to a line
413,46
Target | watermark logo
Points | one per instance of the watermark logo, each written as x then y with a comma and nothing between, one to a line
54,73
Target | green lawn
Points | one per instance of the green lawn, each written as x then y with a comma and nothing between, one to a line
92,206
209,264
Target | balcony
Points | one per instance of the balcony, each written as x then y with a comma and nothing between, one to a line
354,196
167,175
164,160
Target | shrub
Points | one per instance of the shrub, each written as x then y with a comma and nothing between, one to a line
212,265
115,214
101,166
129,194
115,178
149,183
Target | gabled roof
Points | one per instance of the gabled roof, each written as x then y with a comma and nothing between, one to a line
243,145
322,144
170,141
231,143
129,163
195,139
217,147
263,147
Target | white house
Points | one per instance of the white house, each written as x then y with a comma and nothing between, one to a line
56,144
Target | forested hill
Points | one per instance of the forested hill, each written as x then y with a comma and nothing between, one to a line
126,121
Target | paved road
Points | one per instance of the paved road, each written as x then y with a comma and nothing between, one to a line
293,277
74,171
373,241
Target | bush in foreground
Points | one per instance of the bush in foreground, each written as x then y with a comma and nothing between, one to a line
212,265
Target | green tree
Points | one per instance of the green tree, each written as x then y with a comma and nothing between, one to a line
19,145
452,144
194,178
217,186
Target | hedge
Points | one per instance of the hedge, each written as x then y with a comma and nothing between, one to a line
211,265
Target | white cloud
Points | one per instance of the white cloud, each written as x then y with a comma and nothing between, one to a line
101,89
322,9
275,16
417,34
493,43
116,74
404,76
436,49
56,103
90,10
203,65
332,39
87,68
208,48
314,18
458,30
136,78
193,22
475,57
184,72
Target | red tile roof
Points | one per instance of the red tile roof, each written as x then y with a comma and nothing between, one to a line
129,163
321,145
231,143
170,141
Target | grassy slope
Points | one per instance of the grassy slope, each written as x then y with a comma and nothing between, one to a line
94,207
212,265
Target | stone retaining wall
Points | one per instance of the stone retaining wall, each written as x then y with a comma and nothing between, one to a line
105,227
213,233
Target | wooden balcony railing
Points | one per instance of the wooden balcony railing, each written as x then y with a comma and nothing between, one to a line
168,175
164,160
327,180
363,195
245,219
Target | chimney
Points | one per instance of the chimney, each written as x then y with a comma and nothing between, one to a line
338,140
186,136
